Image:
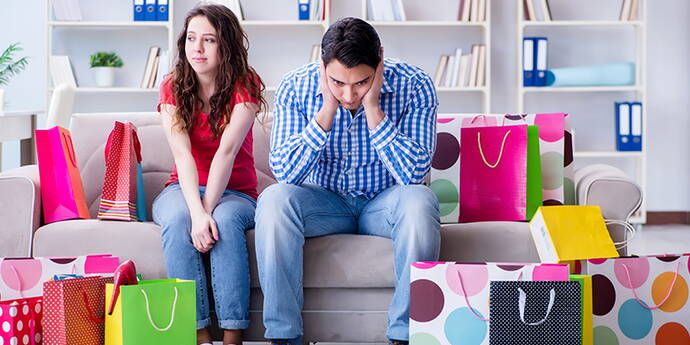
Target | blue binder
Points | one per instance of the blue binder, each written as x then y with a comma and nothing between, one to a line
628,126
636,126
304,9
162,13
138,8
541,45
150,11
528,60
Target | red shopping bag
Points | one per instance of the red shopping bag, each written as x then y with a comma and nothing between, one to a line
493,174
20,321
74,311
122,155
62,191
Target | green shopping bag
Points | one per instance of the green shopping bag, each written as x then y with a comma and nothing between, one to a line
534,186
152,312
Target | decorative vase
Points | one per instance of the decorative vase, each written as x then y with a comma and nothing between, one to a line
105,76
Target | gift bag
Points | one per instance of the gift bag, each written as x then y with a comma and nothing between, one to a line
529,313
642,300
449,302
493,174
566,233
122,156
24,277
21,321
152,312
74,311
62,191
586,306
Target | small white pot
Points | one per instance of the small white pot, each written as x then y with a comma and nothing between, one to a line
2,100
105,76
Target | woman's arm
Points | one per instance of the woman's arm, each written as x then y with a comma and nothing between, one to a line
188,176
241,120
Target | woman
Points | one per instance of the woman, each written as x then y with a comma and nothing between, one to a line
208,105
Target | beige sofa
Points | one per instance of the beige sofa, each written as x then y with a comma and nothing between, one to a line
348,279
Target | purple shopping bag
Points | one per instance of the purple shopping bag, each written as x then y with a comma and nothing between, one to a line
493,174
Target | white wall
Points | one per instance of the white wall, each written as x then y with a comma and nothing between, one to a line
667,65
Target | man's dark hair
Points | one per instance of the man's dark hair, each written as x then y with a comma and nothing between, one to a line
353,42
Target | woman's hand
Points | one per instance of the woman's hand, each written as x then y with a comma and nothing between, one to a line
204,232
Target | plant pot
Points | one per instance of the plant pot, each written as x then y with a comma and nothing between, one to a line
105,76
2,100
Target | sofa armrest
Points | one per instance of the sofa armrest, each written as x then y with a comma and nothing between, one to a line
610,188
20,210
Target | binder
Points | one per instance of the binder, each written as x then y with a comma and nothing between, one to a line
622,125
138,8
150,11
303,9
162,13
528,61
541,54
636,126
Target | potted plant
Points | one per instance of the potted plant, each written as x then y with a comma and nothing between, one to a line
105,63
9,67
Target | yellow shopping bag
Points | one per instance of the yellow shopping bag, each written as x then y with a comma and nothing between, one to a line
564,233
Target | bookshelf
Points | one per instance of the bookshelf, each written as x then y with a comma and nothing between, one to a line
568,29
130,39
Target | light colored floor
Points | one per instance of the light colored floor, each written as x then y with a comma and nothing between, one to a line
658,239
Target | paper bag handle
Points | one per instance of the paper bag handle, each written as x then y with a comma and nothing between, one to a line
70,149
628,227
523,300
523,117
500,154
19,280
172,316
137,145
668,295
467,300
88,308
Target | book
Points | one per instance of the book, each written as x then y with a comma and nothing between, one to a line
633,10
481,70
456,68
474,67
529,10
399,10
440,69
448,77
148,69
465,62
154,72
481,16
466,9
60,10
546,10
625,10
163,67
315,53
234,5
474,11
61,71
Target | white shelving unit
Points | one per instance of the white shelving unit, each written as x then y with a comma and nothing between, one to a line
636,92
121,26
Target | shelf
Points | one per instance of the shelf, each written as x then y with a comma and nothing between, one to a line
461,89
608,154
274,23
581,89
112,89
428,23
111,24
582,23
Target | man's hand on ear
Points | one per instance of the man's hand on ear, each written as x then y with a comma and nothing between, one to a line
371,99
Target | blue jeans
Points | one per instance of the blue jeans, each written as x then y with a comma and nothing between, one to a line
287,214
229,260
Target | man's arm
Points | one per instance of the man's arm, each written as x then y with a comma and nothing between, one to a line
406,151
296,141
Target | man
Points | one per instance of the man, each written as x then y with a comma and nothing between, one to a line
353,137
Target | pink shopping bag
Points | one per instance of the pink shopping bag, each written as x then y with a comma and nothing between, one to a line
62,191
122,155
493,174
20,321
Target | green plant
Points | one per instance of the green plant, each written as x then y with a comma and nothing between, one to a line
106,59
8,67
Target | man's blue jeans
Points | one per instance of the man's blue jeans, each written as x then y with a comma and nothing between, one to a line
229,260
287,214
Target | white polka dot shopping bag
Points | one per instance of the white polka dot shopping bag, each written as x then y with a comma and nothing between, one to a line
449,302
20,321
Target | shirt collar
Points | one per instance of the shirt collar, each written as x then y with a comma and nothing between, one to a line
386,87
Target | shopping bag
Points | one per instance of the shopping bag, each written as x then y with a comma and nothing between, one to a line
586,310
641,300
449,302
62,191
566,233
493,174
74,311
24,277
21,321
529,313
152,312
534,185
122,156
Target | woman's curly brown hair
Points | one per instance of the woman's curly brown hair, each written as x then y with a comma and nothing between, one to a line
234,72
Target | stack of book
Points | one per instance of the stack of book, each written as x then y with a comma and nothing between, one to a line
311,10
156,68
534,60
460,70
67,10
539,12
61,71
386,10
150,10
472,11
629,10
